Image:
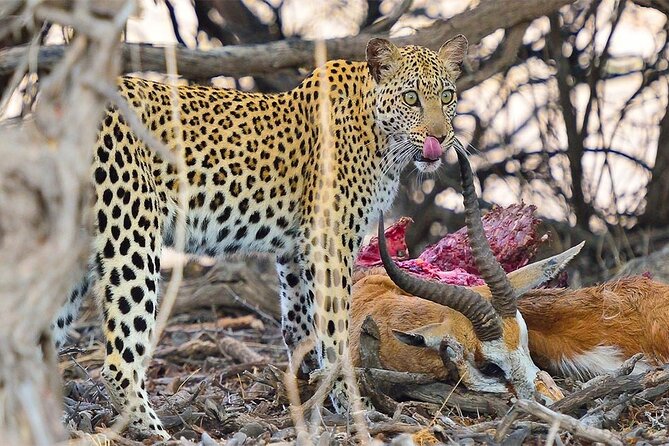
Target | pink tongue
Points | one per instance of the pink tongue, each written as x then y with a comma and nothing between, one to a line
432,149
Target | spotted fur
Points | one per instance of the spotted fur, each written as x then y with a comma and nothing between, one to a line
257,184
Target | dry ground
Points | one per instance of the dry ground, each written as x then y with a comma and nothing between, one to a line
218,370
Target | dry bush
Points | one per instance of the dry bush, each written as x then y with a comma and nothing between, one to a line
44,198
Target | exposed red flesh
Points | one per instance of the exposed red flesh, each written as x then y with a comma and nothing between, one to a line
397,247
511,231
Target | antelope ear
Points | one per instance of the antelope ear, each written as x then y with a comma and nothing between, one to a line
452,53
428,336
531,276
382,59
412,339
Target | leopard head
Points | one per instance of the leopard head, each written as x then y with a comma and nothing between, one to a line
415,99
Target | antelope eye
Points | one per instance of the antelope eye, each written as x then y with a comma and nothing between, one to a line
447,96
410,97
492,370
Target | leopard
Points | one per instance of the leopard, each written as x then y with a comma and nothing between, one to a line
299,174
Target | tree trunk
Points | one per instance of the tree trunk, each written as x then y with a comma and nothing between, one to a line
582,210
657,194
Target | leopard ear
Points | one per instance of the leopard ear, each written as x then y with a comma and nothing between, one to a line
452,53
382,58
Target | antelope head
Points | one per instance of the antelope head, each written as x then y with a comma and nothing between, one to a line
489,345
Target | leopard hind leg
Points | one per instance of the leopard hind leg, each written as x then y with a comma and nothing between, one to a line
70,309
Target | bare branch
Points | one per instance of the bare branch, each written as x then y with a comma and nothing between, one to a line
657,212
660,5
268,58
384,24
175,22
113,96
568,423
575,139
373,12
506,58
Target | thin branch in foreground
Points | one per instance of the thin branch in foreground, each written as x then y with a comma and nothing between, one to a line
182,203
112,95
44,196
291,385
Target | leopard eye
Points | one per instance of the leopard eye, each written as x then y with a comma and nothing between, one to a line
447,96
410,97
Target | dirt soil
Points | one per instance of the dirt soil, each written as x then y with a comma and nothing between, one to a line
216,378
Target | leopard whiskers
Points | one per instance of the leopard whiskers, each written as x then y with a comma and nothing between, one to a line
400,159
398,153
403,158
397,158
474,149
458,145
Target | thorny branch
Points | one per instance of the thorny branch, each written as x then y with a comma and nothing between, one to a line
562,421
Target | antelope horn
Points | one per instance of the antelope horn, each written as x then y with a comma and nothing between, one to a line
486,322
503,295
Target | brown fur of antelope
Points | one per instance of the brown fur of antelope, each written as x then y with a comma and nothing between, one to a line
483,336
578,333
414,331
590,331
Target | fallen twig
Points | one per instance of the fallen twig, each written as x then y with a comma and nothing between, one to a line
612,386
566,422
232,323
198,348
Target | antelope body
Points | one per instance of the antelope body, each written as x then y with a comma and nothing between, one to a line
579,333
484,335
589,331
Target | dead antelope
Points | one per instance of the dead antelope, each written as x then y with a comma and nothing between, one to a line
486,339
406,321
579,333
573,332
